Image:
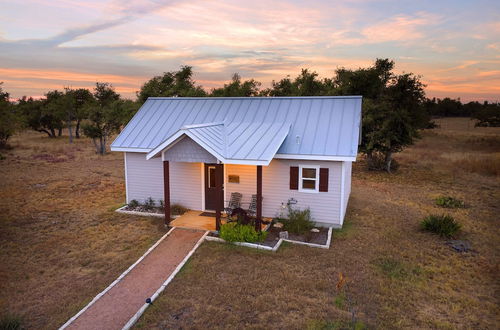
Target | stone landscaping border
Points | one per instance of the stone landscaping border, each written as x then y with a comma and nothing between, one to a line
278,244
144,214
115,281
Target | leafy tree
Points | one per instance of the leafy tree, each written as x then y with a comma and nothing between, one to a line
8,119
305,84
488,115
79,99
105,115
237,88
393,110
43,115
173,83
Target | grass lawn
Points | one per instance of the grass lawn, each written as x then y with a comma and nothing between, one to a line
61,244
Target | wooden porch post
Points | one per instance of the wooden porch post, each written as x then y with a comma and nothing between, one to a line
258,219
219,199
166,191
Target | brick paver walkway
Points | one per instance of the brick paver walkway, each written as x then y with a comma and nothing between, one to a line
118,305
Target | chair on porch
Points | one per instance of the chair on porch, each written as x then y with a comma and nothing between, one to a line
233,203
252,208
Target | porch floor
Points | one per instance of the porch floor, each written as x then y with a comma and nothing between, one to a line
193,220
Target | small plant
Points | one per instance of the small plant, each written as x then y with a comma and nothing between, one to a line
178,209
162,203
449,202
149,204
133,204
299,221
443,225
10,322
233,232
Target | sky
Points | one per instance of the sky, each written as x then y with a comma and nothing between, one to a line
50,44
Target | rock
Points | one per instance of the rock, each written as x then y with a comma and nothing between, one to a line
278,225
459,246
284,234
315,230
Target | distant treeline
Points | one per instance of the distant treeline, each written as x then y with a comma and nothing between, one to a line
395,107
448,107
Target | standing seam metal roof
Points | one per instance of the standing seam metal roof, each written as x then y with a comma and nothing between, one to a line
318,126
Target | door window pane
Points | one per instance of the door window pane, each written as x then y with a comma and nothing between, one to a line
211,177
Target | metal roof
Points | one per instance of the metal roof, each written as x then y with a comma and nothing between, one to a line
233,143
325,127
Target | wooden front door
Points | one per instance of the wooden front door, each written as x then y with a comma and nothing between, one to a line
210,193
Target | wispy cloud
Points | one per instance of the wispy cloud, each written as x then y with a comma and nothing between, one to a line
80,42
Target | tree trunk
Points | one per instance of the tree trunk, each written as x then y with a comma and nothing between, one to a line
97,150
70,132
77,129
52,133
102,147
44,131
369,159
60,131
388,161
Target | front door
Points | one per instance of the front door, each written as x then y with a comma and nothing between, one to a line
210,192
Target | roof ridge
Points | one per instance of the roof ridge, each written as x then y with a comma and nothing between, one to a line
202,125
253,97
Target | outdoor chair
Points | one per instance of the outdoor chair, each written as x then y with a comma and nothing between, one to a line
252,208
234,203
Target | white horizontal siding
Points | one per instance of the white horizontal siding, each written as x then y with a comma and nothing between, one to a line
347,187
325,206
145,179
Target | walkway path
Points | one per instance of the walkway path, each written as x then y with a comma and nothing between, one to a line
122,301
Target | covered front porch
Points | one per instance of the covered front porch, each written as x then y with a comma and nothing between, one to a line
200,220
216,144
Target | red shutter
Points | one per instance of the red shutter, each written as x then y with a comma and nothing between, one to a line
323,179
294,178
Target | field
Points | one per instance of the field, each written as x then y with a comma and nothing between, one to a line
61,243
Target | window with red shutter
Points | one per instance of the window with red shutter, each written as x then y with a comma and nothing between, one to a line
323,179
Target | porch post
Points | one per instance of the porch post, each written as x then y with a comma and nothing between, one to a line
219,199
258,219
166,191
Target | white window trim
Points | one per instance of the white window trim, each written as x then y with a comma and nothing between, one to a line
314,191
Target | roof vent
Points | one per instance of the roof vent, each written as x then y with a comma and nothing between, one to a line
297,139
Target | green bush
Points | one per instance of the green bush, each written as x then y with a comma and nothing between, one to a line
299,221
133,204
10,322
149,204
233,232
443,225
449,202
178,209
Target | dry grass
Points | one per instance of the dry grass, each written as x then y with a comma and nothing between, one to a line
60,241
61,244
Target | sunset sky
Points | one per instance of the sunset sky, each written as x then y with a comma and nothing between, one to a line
49,44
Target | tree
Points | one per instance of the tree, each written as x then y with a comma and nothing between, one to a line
488,115
173,83
106,115
305,84
81,97
237,88
393,109
42,115
8,119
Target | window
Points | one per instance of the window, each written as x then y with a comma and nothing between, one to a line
308,178
211,177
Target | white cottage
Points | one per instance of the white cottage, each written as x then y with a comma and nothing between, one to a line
197,151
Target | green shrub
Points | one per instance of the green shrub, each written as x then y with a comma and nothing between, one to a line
233,232
149,204
178,209
449,202
299,221
10,322
443,225
133,204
